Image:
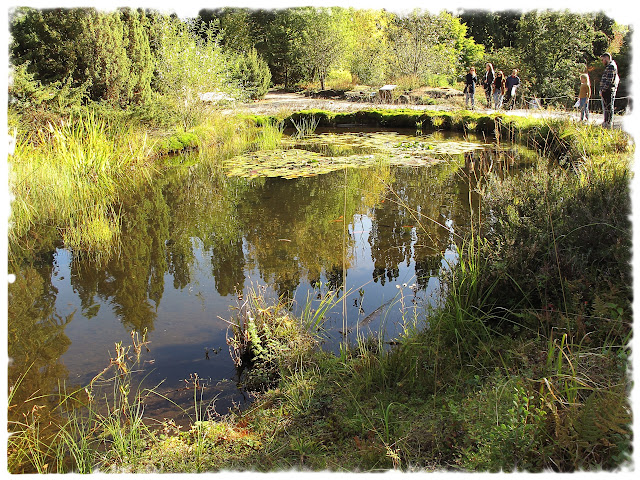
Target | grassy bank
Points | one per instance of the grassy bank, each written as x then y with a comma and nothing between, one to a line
524,366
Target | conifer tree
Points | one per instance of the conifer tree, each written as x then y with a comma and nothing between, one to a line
108,66
139,54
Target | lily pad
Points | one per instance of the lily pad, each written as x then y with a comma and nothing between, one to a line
327,152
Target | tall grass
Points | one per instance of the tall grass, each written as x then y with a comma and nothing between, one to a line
305,126
99,426
267,340
70,175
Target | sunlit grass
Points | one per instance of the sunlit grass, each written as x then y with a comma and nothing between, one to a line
70,175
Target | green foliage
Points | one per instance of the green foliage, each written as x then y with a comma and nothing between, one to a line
105,53
266,341
506,59
549,48
84,48
38,105
49,41
306,43
190,68
136,32
493,29
425,44
323,40
554,46
517,441
252,74
369,59
562,236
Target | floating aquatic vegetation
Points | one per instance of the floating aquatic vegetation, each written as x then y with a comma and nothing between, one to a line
327,152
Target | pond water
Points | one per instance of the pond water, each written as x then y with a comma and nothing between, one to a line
199,235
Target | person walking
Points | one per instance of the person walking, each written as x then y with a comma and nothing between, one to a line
583,96
470,88
608,86
487,82
499,86
511,84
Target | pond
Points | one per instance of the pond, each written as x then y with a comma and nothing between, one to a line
295,223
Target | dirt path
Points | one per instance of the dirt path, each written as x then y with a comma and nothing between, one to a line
279,102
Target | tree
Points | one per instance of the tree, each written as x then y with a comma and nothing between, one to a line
107,53
188,68
252,74
103,47
555,48
48,41
494,30
425,45
467,50
324,40
413,38
370,55
136,26
235,26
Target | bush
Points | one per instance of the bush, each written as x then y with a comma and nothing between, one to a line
565,238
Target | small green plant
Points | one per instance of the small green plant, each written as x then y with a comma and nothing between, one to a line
266,340
313,319
437,121
305,126
516,440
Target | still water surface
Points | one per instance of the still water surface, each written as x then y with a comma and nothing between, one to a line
195,238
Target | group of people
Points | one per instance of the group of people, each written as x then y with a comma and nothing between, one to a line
502,90
497,87
608,87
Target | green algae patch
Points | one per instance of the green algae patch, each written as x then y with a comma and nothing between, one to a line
327,152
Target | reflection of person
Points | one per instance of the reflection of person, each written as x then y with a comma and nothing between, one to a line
512,83
608,86
470,88
487,82
583,96
498,89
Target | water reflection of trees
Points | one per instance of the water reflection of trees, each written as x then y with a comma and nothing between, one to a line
295,229
287,230
132,281
36,341
410,223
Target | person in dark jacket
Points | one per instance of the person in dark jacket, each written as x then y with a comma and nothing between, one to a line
499,86
511,85
487,82
608,86
470,88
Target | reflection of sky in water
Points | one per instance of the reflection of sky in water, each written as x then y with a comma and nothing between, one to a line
371,307
189,325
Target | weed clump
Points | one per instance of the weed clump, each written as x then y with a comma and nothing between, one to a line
266,340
